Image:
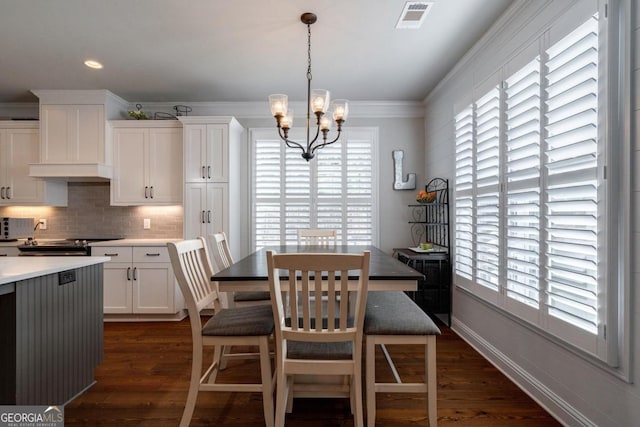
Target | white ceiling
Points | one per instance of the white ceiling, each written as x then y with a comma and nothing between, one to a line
241,50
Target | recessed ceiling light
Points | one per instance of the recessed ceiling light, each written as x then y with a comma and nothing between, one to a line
93,64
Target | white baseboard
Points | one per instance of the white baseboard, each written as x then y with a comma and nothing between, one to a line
559,408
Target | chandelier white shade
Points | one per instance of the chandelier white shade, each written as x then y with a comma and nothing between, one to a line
318,103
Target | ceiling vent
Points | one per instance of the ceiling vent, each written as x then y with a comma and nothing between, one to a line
413,14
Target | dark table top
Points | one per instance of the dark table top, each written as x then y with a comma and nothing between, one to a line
381,267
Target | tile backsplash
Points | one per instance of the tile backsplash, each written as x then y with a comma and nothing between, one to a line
89,214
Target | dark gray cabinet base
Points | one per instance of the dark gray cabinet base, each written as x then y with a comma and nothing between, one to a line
57,336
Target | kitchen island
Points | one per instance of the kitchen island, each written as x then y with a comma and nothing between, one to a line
51,329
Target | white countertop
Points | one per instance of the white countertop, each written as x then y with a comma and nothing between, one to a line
135,242
13,269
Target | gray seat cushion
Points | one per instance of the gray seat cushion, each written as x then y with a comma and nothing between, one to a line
319,350
251,296
394,313
242,321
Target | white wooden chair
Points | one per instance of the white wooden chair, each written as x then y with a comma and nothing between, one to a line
219,245
234,326
307,342
317,236
393,318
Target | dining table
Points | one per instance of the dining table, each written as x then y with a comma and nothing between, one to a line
386,273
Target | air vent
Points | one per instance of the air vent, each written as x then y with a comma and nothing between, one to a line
413,14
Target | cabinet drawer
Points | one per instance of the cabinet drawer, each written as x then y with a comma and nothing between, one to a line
150,254
117,253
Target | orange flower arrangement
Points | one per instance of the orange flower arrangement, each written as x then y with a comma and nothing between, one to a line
424,197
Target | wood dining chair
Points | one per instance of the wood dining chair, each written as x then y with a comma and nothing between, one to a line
308,341
317,236
219,245
247,326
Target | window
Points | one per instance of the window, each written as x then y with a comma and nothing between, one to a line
530,190
337,189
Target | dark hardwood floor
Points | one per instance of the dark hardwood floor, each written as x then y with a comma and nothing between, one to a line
144,379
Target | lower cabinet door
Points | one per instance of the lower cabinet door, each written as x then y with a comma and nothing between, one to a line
153,288
118,288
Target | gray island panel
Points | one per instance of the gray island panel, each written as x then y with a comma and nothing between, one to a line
58,338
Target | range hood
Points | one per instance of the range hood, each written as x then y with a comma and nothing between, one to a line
80,172
75,140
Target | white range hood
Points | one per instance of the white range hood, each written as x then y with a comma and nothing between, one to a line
82,172
75,144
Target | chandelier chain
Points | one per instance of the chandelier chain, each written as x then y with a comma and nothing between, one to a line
309,52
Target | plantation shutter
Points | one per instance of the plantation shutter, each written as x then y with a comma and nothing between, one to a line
266,194
487,155
570,159
523,188
335,190
359,152
464,227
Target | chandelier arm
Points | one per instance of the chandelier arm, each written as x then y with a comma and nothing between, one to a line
326,143
290,144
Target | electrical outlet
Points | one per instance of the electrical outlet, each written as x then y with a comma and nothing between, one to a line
43,224
147,223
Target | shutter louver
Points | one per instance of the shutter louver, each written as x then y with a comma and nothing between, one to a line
523,184
487,189
463,193
571,163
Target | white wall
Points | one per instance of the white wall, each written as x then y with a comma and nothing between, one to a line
576,389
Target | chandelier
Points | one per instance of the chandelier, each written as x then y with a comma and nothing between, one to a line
317,101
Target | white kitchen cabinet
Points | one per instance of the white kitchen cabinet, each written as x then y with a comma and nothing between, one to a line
205,209
214,199
138,280
147,163
206,149
19,146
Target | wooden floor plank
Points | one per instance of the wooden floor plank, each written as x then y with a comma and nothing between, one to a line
145,375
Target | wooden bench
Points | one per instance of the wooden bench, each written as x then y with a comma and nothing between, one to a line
393,318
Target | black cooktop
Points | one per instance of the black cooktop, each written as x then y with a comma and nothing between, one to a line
78,246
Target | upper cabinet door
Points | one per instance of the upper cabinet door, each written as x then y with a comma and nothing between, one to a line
217,153
72,134
195,153
206,153
130,165
165,165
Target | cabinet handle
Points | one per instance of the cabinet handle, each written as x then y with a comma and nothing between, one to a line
203,175
4,254
202,217
2,193
8,193
209,172
151,192
128,273
209,217
156,254
135,273
111,254
146,190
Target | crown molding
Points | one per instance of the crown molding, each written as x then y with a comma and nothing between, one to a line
260,109
246,110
